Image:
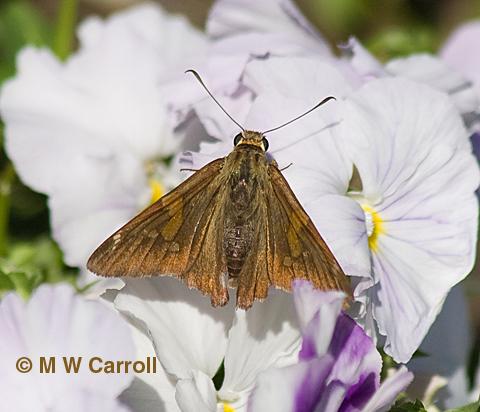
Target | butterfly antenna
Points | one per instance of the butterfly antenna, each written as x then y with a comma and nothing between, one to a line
197,76
303,114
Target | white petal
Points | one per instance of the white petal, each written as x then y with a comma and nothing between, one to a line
388,391
341,222
410,294
56,322
415,119
187,332
216,123
430,70
363,62
276,389
306,78
418,173
149,391
324,306
85,401
196,394
266,335
460,52
229,18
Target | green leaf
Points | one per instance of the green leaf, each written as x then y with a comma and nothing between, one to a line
20,23
472,407
401,41
31,263
408,406
420,354
6,283
23,283
219,376
65,30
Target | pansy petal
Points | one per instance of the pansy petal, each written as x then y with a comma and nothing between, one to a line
383,399
317,313
266,335
358,362
149,391
196,394
414,116
407,303
187,332
430,70
304,78
73,401
229,18
341,222
293,388
56,322
364,63
459,51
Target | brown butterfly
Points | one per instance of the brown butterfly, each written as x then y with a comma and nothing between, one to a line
235,223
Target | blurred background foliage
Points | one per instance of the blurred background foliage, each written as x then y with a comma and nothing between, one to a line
389,28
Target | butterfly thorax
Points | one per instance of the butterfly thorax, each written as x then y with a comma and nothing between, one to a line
248,165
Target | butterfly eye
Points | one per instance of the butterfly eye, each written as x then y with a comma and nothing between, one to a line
265,144
237,139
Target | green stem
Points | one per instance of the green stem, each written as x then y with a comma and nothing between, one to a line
65,29
6,179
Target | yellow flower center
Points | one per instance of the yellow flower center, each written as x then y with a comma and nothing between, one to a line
157,189
375,226
228,408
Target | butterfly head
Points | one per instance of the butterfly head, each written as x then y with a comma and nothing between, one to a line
251,138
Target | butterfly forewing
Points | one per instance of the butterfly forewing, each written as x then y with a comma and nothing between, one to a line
296,249
178,235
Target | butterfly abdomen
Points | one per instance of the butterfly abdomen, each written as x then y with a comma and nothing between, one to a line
240,211
237,243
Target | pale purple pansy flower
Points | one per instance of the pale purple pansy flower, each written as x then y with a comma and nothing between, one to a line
193,340
93,132
461,51
409,232
338,367
423,68
418,181
241,31
56,322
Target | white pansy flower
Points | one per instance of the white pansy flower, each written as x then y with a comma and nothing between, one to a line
421,67
193,341
418,182
93,133
240,36
56,322
410,231
461,51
